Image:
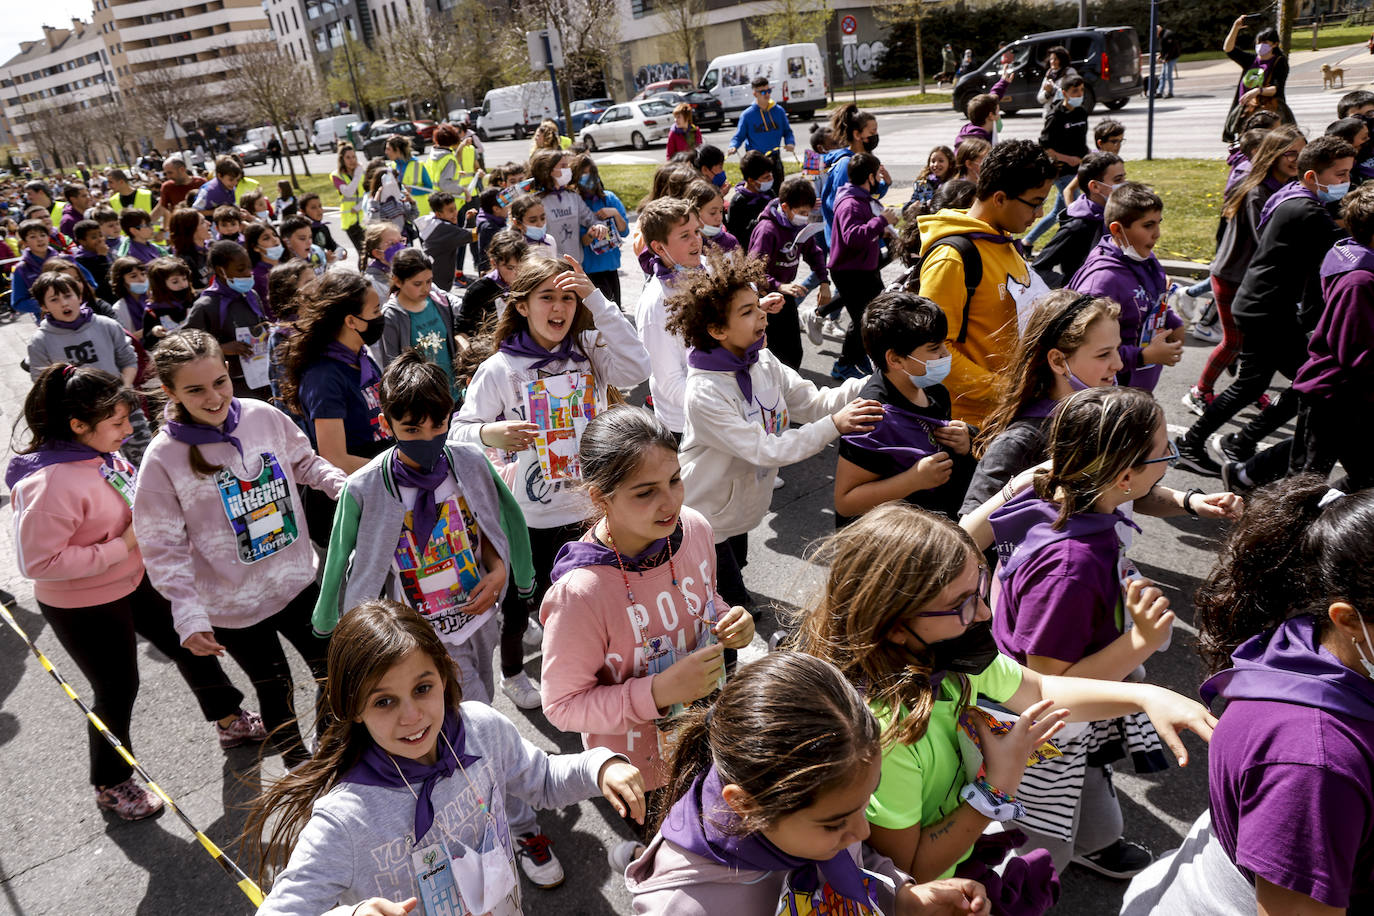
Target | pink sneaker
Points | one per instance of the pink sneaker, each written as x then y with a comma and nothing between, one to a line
130,800
247,727
1263,402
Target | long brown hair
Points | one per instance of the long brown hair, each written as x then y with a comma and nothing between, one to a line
175,351
1029,377
321,307
1271,149
370,639
891,563
63,393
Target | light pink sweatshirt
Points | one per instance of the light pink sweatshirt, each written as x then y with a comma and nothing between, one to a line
595,679
67,526
195,552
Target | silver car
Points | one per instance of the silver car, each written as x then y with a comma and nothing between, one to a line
634,124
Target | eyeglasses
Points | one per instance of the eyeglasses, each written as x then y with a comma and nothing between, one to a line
968,608
1291,154
1031,204
768,91
1171,457
1112,141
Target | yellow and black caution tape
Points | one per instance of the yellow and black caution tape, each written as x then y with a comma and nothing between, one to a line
245,883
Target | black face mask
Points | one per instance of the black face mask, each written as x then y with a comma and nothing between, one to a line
870,143
968,653
373,332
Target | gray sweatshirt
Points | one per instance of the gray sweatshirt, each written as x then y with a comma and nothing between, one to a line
358,841
100,342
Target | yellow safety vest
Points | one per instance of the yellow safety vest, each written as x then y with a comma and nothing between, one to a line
143,200
350,206
56,213
463,170
245,185
413,176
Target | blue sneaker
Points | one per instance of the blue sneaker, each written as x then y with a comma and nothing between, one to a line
841,371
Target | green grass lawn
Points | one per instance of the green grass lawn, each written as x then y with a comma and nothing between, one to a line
318,182
915,98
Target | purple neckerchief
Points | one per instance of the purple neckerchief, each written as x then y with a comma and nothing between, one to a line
1022,528
523,344
381,770
490,219
1039,409
707,829
577,554
31,265
722,240
495,277
743,193
646,260
902,435
1345,256
1084,207
1235,177
1236,156
1288,192
83,317
361,360
426,511
200,434
1289,665
226,296
719,359
58,451
143,251
659,268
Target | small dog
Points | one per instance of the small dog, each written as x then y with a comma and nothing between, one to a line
1330,74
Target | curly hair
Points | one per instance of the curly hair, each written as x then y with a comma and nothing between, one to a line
701,298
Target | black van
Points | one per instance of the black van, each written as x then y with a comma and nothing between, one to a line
1108,59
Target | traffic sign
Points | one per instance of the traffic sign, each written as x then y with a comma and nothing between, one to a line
849,39
849,25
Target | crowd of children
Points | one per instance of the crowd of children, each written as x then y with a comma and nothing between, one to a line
417,476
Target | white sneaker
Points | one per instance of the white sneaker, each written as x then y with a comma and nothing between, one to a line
1182,303
622,854
777,483
534,635
537,861
832,330
1207,333
814,324
521,691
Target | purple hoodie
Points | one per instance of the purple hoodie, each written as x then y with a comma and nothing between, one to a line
1340,352
774,240
1140,288
1290,191
856,231
1240,167
212,194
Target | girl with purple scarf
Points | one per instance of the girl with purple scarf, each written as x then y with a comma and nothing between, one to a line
766,798
1286,628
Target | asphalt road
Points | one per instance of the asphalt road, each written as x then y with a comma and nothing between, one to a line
61,855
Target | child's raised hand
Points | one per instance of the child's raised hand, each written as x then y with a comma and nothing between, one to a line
858,416
576,280
1005,755
736,629
380,906
1226,506
1162,351
607,213
932,471
955,437
690,678
509,435
1149,608
623,786
772,303
891,216
1171,713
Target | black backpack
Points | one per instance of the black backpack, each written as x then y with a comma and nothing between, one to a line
973,271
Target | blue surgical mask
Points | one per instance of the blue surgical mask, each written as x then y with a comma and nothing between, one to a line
1331,193
766,185
710,231
719,179
586,181
535,233
275,252
138,289
1073,101
240,284
937,370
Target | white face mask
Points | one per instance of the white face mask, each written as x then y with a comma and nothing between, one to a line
710,231
562,176
1129,250
800,219
1368,664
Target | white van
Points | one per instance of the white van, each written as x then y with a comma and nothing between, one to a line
292,141
797,73
515,110
329,131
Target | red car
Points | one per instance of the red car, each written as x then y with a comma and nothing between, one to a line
425,129
678,85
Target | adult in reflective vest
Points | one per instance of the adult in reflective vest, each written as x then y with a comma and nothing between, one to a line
245,186
38,195
348,181
123,194
452,160
410,172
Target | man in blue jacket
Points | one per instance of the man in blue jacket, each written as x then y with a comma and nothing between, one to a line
764,127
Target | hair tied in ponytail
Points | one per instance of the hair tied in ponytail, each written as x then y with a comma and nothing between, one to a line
1332,495
68,371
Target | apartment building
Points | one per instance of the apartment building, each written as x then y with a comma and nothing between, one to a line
67,70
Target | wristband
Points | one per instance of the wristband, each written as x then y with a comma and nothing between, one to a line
1188,501
991,803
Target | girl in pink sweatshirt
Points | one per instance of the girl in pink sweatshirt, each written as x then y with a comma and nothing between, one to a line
218,512
633,625
74,537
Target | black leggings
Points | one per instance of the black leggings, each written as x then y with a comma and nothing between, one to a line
858,287
1261,357
259,653
608,281
101,640
784,333
515,611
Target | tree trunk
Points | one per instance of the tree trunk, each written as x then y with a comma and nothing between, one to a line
1288,11
920,58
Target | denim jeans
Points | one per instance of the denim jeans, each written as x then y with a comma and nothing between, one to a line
1167,75
1051,216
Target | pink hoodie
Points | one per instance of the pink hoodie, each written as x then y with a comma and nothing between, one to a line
67,525
595,681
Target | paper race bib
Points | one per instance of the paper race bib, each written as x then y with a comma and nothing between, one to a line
1025,296
438,577
123,477
259,511
438,891
824,901
255,364
561,406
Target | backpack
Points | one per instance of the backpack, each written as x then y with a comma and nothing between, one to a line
973,271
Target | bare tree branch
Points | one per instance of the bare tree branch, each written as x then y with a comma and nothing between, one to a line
684,29
786,22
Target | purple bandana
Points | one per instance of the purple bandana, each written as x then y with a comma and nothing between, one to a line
82,318
59,451
200,434
523,344
1040,409
495,277
902,435
719,359
576,554
226,296
1084,207
426,511
707,834
1023,527
1345,256
143,252
362,361
379,769
1287,192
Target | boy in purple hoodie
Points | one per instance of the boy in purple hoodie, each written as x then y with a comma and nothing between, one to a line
1123,268
1081,224
783,236
983,114
219,191
860,224
230,311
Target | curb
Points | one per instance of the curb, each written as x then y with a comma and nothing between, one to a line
1185,268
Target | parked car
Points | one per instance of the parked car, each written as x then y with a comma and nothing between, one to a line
460,116
293,139
425,128
707,111
381,130
515,110
250,154
796,72
329,131
635,123
1108,59
585,111
653,89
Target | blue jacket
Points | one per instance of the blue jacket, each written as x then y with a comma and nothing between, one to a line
834,179
762,131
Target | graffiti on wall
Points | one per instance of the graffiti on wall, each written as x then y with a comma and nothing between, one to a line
653,73
863,57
